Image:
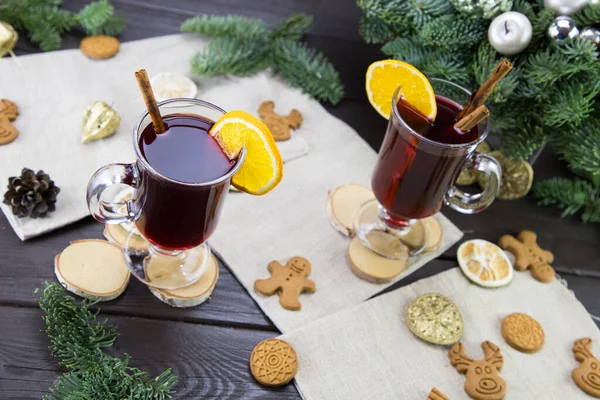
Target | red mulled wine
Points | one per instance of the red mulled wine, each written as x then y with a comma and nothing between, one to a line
180,212
412,174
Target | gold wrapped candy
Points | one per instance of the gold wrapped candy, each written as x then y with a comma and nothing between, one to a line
100,121
8,38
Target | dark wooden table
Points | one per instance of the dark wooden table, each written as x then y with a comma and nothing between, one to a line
208,347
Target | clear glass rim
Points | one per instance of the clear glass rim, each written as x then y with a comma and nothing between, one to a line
146,164
480,139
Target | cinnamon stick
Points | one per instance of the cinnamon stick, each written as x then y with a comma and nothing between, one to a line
470,120
479,96
150,100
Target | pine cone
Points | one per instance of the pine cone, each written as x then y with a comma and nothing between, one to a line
31,195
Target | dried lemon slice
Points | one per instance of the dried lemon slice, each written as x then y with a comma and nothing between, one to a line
484,263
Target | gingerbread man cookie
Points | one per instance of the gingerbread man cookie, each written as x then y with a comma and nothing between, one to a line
288,281
9,109
279,125
529,255
483,381
8,132
587,375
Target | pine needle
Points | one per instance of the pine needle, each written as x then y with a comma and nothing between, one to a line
77,338
571,196
293,27
225,55
244,46
230,26
306,68
45,22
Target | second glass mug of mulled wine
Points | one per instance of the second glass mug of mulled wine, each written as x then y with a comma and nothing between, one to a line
415,173
180,179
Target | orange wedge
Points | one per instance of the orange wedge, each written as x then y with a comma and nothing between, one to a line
384,77
484,263
262,169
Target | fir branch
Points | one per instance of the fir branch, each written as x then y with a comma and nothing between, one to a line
580,147
571,196
306,68
45,22
523,141
293,27
409,50
588,15
452,32
374,30
78,339
230,26
571,104
94,15
447,67
226,55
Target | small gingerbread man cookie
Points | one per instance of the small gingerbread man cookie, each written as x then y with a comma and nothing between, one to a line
279,125
529,255
288,281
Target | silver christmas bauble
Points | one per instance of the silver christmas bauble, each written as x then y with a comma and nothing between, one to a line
563,27
485,9
592,34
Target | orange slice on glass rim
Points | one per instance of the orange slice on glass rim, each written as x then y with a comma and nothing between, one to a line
484,263
262,169
384,77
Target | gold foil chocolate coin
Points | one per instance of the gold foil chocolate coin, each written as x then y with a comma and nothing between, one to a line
517,177
435,319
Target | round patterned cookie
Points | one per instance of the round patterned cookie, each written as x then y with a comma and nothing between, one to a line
435,319
523,332
99,46
273,362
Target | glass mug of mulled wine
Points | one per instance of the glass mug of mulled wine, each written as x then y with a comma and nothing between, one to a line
415,173
180,179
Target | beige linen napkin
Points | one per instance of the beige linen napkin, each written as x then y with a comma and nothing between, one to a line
52,91
367,352
292,219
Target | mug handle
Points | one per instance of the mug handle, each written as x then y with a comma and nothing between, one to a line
467,203
111,212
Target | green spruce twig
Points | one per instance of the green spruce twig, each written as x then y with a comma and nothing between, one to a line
78,339
46,22
244,46
571,196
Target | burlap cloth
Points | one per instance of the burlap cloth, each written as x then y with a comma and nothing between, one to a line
367,352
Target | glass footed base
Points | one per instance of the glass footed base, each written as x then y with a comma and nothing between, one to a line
165,269
397,243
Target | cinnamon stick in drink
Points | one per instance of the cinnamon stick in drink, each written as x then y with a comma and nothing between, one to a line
479,96
150,100
469,121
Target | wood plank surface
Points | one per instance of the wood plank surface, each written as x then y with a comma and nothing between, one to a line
208,346
210,362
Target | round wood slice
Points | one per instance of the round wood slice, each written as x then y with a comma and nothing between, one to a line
370,266
343,203
92,268
119,235
194,294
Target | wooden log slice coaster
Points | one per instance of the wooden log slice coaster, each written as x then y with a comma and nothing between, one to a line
371,266
92,268
343,203
119,235
194,294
